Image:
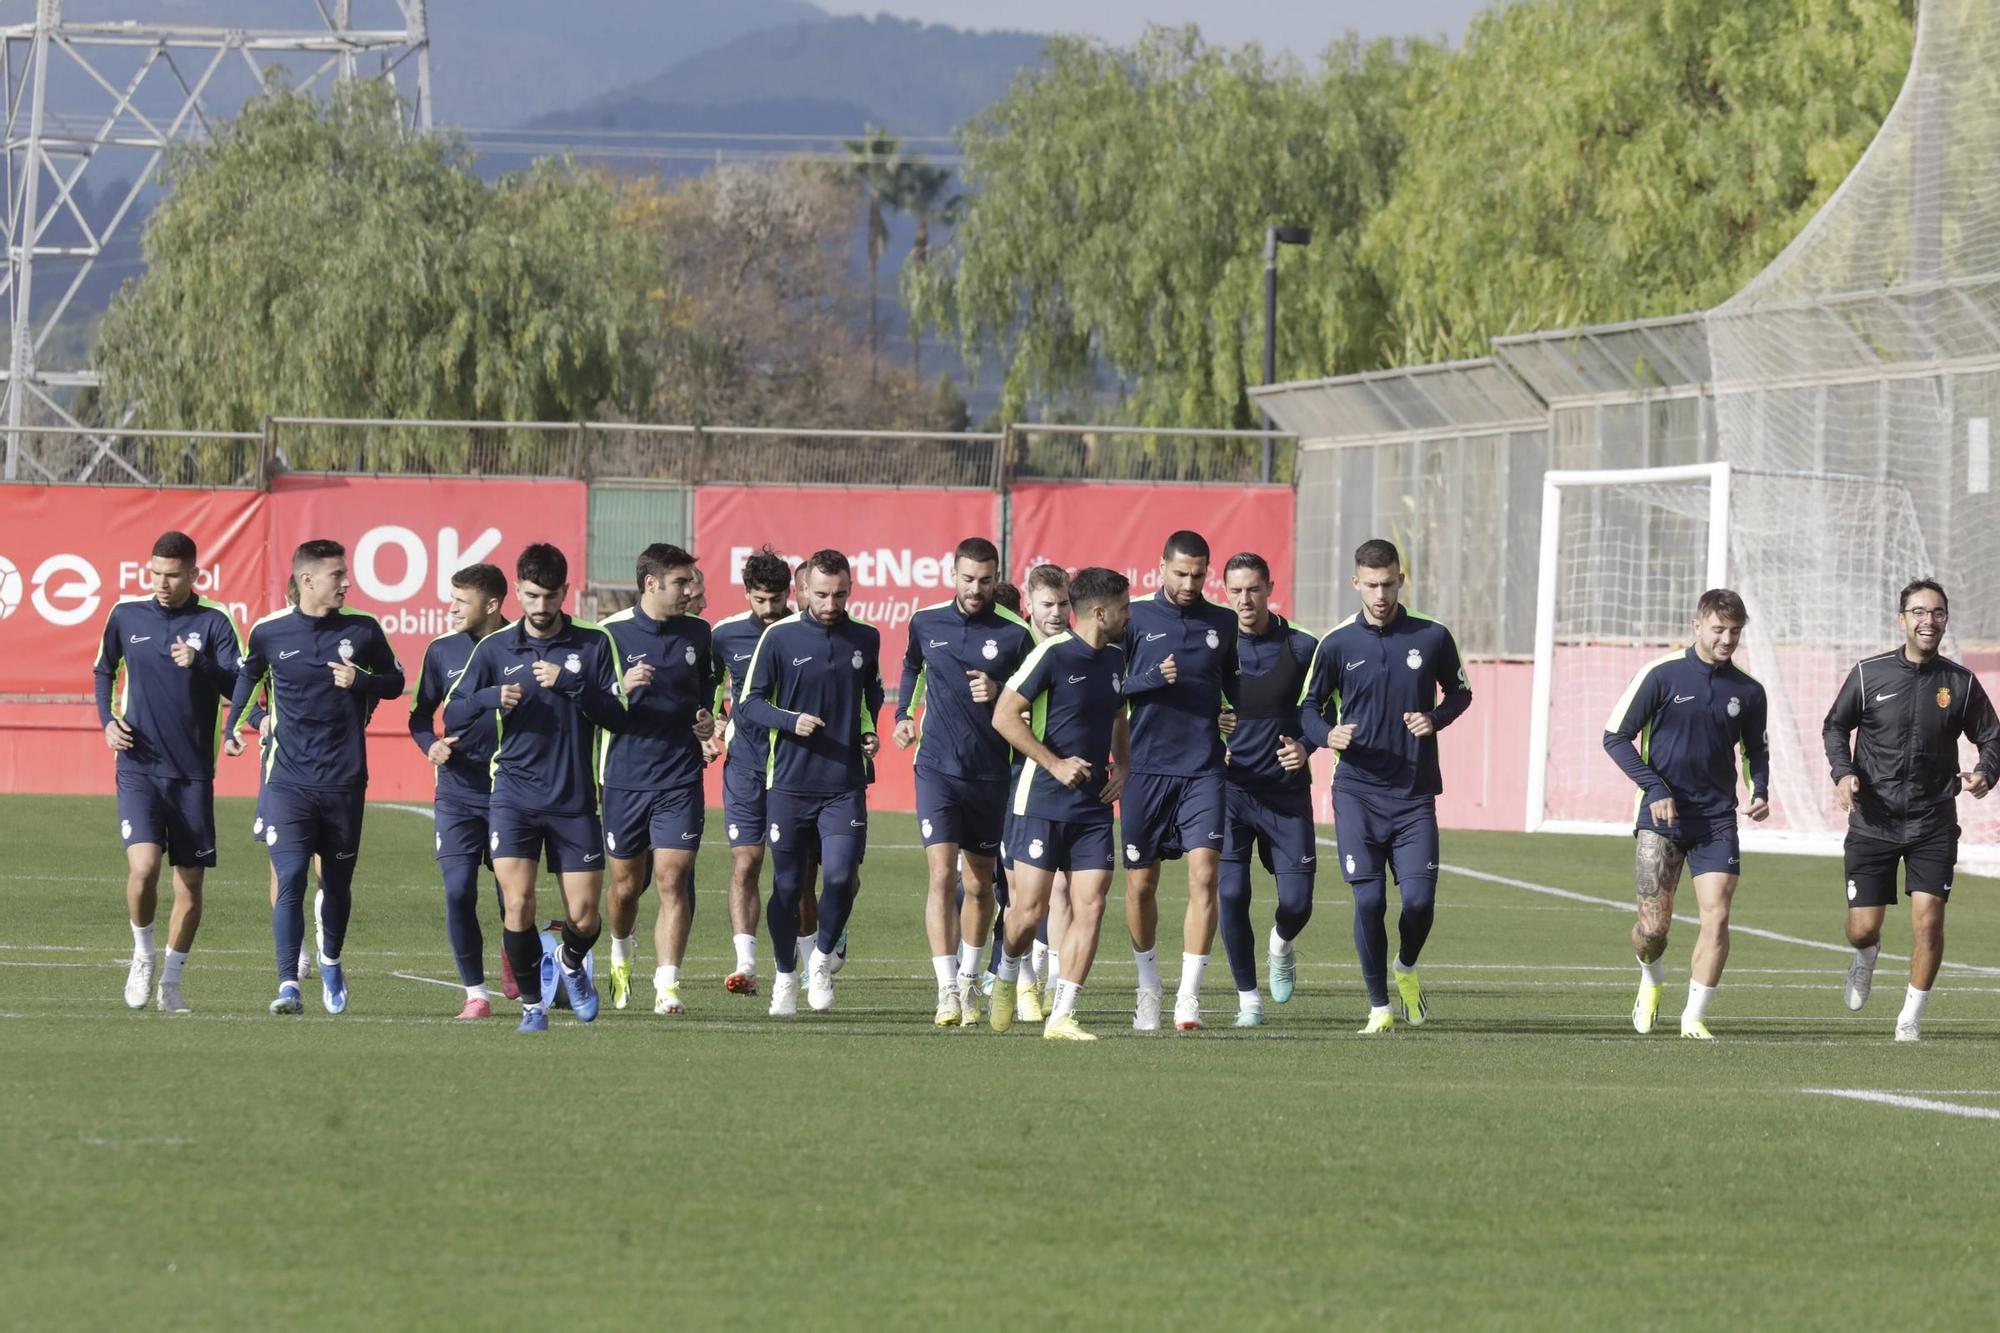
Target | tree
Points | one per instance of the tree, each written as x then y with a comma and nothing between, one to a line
873,164
1581,161
1116,216
315,258
921,192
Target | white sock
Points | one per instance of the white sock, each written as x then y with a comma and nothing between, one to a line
746,953
477,992
1192,966
1697,1005
1402,971
1052,970
1066,997
622,950
1010,967
539,1006
819,959
1868,955
1655,972
305,958
170,974
1029,974
969,956
1038,958
1914,1001
142,941
319,922
1280,946
1250,999
946,967
1149,968
666,976
326,962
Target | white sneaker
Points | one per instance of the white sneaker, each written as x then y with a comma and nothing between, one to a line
139,981
1860,980
1146,1012
305,964
968,1001
785,995
819,982
947,1008
1907,1030
168,997
1187,1013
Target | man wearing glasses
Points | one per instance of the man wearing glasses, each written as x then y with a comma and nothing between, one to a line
1898,781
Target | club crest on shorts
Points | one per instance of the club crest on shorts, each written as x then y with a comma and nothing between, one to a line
1415,659
1350,865
346,650
1035,848
857,659
927,828
991,650
1735,705
691,655
774,833
271,836
574,662
194,640
610,841
1944,696
440,840
732,831
1131,853
124,828
493,843
1852,892
257,829
1214,639
1117,685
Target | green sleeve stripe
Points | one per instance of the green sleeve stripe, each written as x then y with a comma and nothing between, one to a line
1028,664
1631,691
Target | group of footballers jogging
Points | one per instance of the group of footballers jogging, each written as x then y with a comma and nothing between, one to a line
1032,714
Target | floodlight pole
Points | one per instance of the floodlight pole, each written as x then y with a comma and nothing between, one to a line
1273,238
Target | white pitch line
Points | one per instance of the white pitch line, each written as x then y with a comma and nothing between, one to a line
1908,1103
431,981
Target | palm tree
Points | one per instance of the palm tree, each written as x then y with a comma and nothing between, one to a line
921,192
874,164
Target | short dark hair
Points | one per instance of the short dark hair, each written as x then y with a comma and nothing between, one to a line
542,565
799,574
174,546
292,591
1007,595
766,571
657,559
1187,543
1920,585
978,550
1048,576
1724,602
1248,560
1093,584
311,553
486,580
828,561
1378,553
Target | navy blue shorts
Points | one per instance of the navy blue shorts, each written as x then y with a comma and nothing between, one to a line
743,804
461,831
960,810
665,821
1276,821
1060,845
1710,849
1377,831
1164,816
1927,863
572,842
318,822
800,821
174,814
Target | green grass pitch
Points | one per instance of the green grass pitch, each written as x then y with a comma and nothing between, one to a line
1523,1161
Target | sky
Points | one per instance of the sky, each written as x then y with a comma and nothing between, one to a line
1303,27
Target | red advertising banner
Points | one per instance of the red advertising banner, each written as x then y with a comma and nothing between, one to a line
899,542
1123,527
69,553
406,536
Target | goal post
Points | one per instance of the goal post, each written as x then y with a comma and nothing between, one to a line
1635,540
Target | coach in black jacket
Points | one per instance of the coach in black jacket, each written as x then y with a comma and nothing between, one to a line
1898,783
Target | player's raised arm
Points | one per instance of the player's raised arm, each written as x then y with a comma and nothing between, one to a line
1837,732
1628,718
1451,679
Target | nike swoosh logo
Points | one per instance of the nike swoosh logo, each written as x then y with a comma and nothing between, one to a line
635,657
1363,662
800,661
1078,680
740,657
512,669
142,638
293,653
939,643
1892,694
343,856
590,856
1151,637
454,675
1215,837
857,823
1683,698
689,837
205,851
1305,860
